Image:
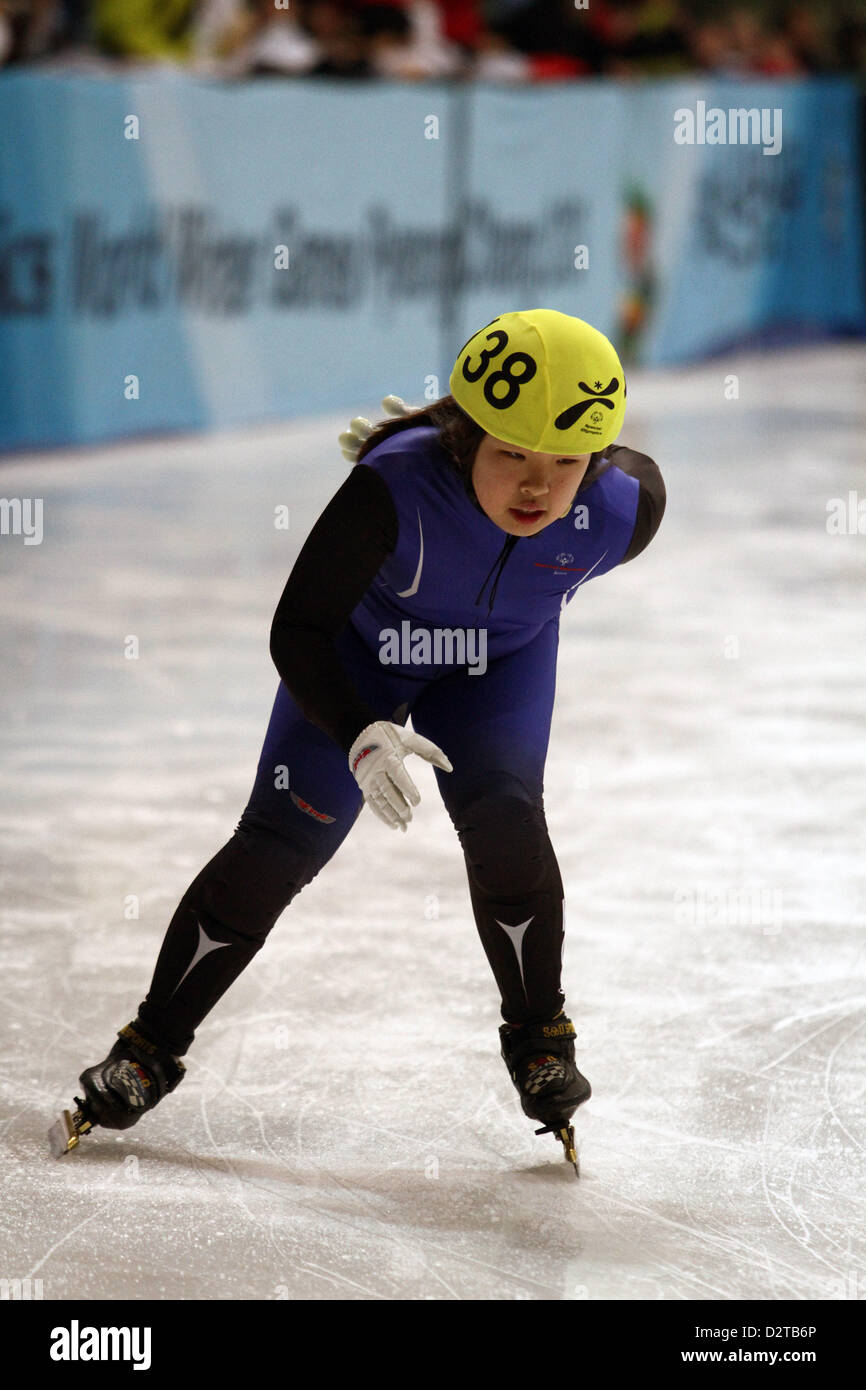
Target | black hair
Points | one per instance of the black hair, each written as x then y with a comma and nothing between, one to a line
459,436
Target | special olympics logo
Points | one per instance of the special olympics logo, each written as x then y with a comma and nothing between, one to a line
599,395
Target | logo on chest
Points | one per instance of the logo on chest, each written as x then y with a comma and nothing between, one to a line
563,564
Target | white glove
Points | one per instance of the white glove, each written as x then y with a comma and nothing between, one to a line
376,760
360,428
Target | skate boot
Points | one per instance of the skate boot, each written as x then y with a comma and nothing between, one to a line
540,1061
132,1079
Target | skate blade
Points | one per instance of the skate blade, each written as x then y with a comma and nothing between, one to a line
565,1135
65,1133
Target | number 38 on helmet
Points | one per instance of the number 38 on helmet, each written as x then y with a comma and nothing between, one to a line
542,380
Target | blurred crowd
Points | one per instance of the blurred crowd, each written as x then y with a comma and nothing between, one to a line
492,40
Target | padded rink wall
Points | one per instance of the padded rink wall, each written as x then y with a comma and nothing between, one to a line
142,289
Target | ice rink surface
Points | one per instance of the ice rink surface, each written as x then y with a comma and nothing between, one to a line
347,1129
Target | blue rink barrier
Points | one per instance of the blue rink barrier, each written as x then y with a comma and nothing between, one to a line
178,253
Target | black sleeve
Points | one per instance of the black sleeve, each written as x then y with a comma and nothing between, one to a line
338,562
652,498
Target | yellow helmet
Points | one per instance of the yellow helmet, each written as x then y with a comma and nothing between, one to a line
542,380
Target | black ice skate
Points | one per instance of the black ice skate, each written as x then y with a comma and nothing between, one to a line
540,1060
134,1077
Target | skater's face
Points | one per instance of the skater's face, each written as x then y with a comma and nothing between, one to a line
523,492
